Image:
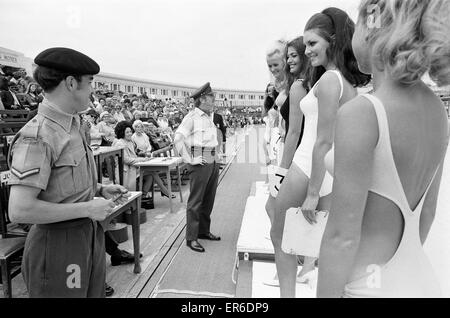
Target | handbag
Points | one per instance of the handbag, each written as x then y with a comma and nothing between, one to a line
300,237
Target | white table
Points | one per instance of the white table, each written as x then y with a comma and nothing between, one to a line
165,164
133,203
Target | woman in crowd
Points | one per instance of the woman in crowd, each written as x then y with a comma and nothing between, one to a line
137,115
32,98
106,128
124,133
141,140
388,157
164,127
95,136
118,115
335,75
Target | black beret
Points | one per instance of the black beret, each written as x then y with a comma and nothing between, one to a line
202,91
67,60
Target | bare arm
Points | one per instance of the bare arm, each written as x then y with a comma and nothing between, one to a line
25,207
265,143
328,98
356,138
296,94
327,92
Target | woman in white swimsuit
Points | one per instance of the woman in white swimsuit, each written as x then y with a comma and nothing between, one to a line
296,70
327,38
276,62
388,157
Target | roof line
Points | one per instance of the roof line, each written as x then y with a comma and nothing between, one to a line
136,79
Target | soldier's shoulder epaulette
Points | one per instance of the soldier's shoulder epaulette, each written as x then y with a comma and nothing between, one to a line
31,129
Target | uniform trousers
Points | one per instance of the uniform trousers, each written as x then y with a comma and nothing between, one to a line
65,259
203,186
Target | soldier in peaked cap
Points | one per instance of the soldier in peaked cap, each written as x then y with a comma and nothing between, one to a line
53,184
196,142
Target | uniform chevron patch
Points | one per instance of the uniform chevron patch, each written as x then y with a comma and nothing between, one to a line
24,174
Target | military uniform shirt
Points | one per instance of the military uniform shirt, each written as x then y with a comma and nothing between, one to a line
198,130
50,153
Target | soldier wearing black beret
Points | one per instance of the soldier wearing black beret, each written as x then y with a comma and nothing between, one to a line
53,184
196,142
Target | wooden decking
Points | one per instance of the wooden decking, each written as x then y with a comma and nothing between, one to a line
161,236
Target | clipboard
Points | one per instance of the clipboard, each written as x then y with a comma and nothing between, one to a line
300,237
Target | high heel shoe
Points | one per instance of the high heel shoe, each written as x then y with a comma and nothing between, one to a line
309,278
166,195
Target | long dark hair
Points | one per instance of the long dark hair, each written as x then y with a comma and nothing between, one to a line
269,101
303,73
337,28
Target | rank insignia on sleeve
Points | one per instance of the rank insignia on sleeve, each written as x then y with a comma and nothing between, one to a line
24,174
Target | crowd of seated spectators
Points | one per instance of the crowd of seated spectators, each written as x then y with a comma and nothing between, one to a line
19,91
157,119
160,118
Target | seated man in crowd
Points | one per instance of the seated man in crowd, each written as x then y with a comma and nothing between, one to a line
8,95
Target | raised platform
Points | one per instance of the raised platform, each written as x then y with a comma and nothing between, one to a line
254,236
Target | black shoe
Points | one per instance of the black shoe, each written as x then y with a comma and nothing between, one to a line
122,257
147,204
109,291
195,246
209,236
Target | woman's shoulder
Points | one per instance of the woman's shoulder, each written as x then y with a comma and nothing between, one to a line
297,85
119,142
329,83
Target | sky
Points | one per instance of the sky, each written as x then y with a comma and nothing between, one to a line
180,41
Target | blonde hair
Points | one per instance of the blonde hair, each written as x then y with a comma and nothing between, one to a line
410,37
278,50
136,123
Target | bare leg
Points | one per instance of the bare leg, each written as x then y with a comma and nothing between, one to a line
161,184
291,195
148,182
270,208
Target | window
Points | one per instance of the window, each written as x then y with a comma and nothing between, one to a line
114,87
231,96
163,92
174,93
153,90
241,96
222,96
